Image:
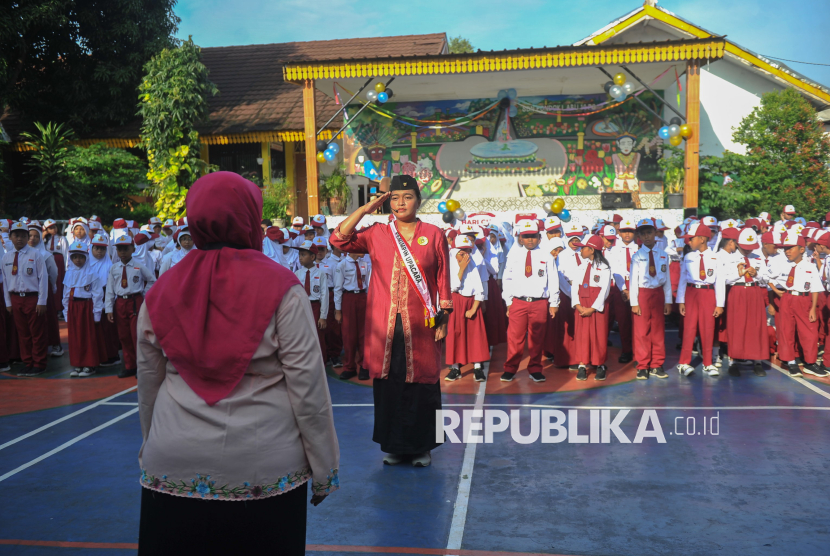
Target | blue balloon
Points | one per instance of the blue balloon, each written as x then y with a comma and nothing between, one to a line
383,97
664,132
620,98
564,215
513,111
334,147
329,154
442,207
511,93
502,94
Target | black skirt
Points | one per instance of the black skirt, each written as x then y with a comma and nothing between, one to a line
173,525
404,411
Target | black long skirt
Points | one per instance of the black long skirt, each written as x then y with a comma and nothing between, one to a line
404,412
173,525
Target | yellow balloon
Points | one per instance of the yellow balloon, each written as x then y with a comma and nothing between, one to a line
321,158
686,130
557,206
619,79
453,205
676,140
379,87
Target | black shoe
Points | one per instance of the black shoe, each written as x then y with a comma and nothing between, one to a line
794,370
573,368
507,377
583,373
734,370
335,362
126,373
537,377
24,371
815,370
610,344
363,374
454,374
602,370
35,371
678,347
658,372
642,374
758,369
347,374
626,358
479,375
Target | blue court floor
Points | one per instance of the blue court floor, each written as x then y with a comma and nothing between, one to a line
757,487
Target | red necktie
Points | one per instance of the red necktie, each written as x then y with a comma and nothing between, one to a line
14,265
359,275
702,270
627,265
528,266
747,277
652,270
578,262
308,281
791,277
124,277
587,278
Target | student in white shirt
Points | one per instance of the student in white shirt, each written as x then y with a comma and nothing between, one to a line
351,282
592,279
561,341
83,302
53,304
651,300
315,282
466,334
620,260
328,260
184,245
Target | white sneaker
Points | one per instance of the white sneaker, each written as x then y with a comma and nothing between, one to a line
711,370
57,352
422,460
392,459
110,364
685,370
718,362
5,367
75,372
88,371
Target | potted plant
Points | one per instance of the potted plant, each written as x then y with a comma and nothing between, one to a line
674,176
336,191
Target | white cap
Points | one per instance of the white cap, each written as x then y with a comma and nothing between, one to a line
764,216
467,228
709,221
462,241
552,223
748,239
556,243
645,222
19,226
780,229
789,209
628,225
659,224
573,229
730,223
318,221
78,247
123,240
608,231
307,245
528,227
298,221
320,241
792,238
797,228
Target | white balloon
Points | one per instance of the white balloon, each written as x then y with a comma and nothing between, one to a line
371,95
628,87
615,91
674,130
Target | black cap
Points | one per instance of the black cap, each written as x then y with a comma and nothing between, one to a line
405,183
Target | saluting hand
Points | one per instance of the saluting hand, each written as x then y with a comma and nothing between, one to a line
372,206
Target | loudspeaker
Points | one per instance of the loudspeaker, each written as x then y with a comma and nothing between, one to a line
614,201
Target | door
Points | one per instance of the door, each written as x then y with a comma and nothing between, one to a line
301,185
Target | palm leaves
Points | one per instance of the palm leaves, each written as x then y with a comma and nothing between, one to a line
51,192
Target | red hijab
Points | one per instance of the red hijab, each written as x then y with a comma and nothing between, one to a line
210,311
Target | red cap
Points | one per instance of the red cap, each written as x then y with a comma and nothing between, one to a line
616,219
593,241
767,237
812,224
730,233
119,224
699,230
273,233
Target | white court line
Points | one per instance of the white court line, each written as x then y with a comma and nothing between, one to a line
121,403
812,387
671,407
66,445
64,418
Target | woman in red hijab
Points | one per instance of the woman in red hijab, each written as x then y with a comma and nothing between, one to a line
235,409
408,301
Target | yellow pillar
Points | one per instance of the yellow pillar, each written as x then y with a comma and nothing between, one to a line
288,148
204,152
692,162
266,162
310,120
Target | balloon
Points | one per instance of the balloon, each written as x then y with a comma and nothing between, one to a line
676,140
686,130
620,98
502,94
674,130
557,206
675,121
334,147
379,87
511,93
382,97
664,132
619,79
371,95
321,145
608,86
453,205
329,155
442,207
565,215
628,87
459,213
389,93
513,111
615,91
332,162
546,206
321,157
448,217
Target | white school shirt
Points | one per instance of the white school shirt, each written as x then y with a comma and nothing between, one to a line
731,274
483,272
600,277
94,291
690,274
542,282
58,244
640,277
345,278
469,285
31,275
318,284
662,243
806,277
619,266
328,267
566,264
139,280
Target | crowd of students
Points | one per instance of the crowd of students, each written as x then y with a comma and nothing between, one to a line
741,292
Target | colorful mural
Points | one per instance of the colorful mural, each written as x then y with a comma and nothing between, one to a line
510,145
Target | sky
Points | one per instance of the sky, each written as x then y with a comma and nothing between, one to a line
795,29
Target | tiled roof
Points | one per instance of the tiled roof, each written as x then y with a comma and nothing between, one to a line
252,93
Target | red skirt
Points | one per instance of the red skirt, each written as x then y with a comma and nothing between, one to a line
83,344
495,322
466,338
61,264
746,323
591,333
53,330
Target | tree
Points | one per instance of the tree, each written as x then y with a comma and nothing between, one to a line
172,100
460,45
79,61
51,192
787,156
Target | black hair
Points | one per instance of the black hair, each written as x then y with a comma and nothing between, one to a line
21,231
724,241
598,256
267,222
644,228
687,249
